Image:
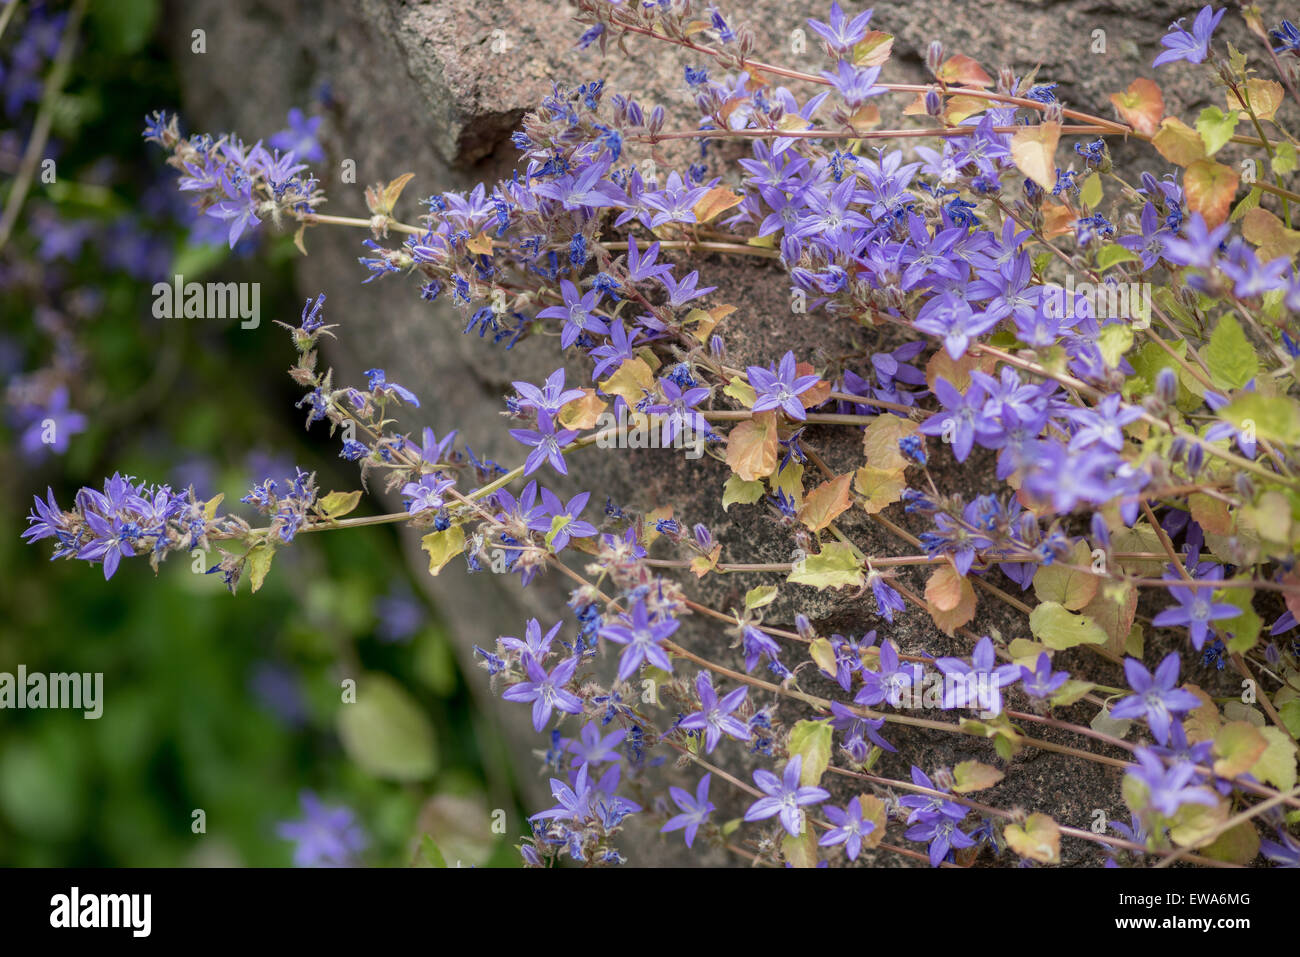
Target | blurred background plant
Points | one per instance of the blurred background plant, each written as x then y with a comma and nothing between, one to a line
229,707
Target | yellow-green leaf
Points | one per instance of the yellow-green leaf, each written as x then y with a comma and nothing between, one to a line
1230,356
738,490
443,547
1039,839
338,504
1059,629
811,740
1033,150
974,776
835,566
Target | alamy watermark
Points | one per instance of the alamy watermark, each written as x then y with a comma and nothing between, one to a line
1105,300
649,430
77,691
208,300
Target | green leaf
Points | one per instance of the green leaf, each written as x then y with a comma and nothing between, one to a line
1230,356
738,490
1039,839
385,733
1284,159
800,851
1090,193
834,567
760,596
1070,692
430,855
338,504
1246,626
1237,747
258,563
1115,340
823,655
1215,128
1058,628
1236,845
741,391
1276,765
1290,715
1065,586
443,547
1113,255
974,776
1276,418
812,740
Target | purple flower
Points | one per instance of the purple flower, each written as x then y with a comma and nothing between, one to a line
1156,697
1193,47
857,731
888,600
576,313
1104,424
679,411
1195,609
695,810
842,34
534,643
300,137
1286,851
550,398
546,444
1169,788
950,317
573,802
888,683
426,494
849,828
1198,246
55,421
642,638
785,797
943,834
641,265
400,616
715,717
111,541
962,418
780,389
326,836
979,684
616,351
1150,244
546,691
569,525
240,209
594,748
379,385
855,84
679,294
1041,681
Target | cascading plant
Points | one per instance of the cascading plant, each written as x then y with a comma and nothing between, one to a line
1123,347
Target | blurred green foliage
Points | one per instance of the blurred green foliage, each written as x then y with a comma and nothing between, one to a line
229,705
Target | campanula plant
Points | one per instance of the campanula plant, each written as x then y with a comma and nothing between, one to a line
1143,486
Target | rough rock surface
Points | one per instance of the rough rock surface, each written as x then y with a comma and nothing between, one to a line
435,89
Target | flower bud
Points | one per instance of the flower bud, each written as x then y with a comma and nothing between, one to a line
934,57
933,103
1167,386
